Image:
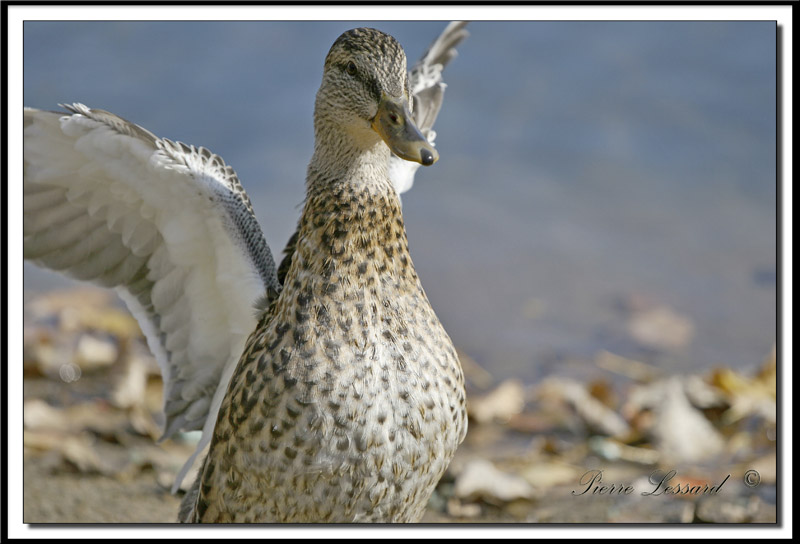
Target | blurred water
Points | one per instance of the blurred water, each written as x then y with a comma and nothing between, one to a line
582,162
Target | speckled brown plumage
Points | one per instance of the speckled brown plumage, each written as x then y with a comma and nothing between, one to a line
348,402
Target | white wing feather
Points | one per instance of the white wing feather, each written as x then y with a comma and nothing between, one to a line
165,224
427,89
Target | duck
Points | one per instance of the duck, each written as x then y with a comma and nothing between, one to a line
326,388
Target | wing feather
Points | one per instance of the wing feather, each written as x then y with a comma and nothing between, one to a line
427,91
168,226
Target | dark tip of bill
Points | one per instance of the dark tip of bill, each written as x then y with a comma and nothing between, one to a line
427,157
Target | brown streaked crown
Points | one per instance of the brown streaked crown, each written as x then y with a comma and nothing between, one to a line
377,55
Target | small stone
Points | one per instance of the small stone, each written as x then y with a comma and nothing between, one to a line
612,450
723,510
766,467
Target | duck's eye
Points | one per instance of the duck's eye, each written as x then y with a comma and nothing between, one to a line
351,68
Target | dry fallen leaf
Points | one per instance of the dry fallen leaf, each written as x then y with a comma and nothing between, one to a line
481,480
505,401
593,412
681,433
543,475
661,328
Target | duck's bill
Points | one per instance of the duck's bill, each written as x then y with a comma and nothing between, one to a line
396,126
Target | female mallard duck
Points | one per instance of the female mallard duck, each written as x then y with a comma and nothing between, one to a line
342,400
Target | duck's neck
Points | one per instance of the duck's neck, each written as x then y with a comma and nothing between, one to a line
352,227
355,154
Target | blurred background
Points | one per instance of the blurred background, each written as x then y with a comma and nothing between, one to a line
590,170
606,190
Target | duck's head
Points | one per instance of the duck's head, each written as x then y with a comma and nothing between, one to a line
364,93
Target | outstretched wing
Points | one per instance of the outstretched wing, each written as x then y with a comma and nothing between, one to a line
427,90
165,224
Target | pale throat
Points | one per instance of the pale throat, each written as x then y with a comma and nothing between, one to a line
358,157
